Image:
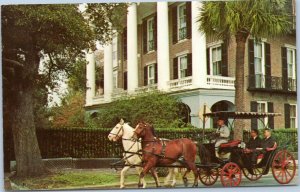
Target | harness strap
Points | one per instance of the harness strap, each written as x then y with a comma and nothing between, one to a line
163,151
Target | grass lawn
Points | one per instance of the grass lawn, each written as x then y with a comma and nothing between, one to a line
73,179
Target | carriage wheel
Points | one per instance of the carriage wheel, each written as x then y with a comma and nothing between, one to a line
231,175
208,176
257,174
283,167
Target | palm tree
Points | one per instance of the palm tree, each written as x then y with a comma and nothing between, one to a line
240,19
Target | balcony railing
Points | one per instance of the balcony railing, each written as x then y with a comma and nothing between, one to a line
180,83
147,88
220,82
271,83
118,93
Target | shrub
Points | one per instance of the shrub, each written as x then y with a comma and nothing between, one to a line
156,108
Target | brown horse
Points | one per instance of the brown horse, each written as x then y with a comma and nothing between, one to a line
158,152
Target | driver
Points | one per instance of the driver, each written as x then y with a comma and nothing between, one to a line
222,133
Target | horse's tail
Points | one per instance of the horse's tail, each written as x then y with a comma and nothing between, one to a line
204,154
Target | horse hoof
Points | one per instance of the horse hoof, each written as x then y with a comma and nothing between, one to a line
140,185
185,182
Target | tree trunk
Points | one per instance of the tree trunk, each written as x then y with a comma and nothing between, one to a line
241,38
27,152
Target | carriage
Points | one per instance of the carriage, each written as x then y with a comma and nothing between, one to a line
231,162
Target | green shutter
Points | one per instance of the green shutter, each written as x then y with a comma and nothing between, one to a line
174,24
155,73
188,20
208,61
145,33
271,119
189,65
284,68
175,68
287,116
155,32
253,108
145,75
125,81
224,60
251,63
125,44
268,65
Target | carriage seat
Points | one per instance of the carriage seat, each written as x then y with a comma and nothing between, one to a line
232,143
261,156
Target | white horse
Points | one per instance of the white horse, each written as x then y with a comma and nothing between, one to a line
131,155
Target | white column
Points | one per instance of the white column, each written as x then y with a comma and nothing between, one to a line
163,55
108,72
90,76
132,62
198,49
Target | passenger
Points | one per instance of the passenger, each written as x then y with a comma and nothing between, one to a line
222,133
268,143
253,143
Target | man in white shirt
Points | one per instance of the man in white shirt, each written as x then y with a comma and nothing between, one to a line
223,133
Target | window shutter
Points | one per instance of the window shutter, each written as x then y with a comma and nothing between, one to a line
174,23
271,119
284,68
189,65
253,108
155,32
224,60
188,20
125,80
175,68
145,33
125,44
145,75
287,115
251,63
155,73
208,61
268,65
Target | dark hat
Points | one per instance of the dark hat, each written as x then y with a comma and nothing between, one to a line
222,118
255,130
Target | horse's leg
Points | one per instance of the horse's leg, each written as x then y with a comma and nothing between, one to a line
184,178
122,175
142,181
175,172
147,167
193,167
168,177
155,176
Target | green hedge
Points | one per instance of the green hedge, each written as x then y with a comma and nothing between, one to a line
93,143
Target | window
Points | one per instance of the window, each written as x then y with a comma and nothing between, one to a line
151,74
259,65
182,25
115,79
293,116
115,52
291,68
150,34
262,108
182,66
216,60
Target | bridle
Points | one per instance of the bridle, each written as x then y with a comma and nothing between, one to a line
143,130
117,134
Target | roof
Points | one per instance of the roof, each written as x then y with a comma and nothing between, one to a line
240,115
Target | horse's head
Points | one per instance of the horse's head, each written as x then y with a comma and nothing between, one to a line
141,130
117,132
